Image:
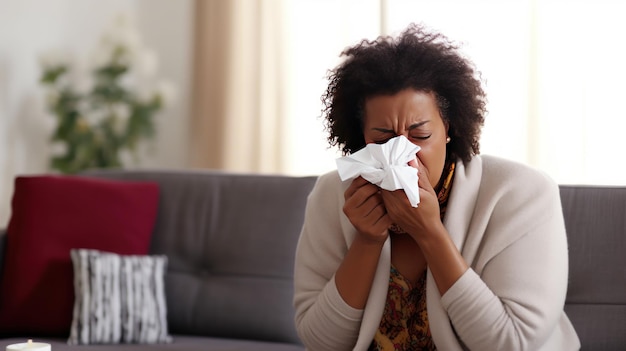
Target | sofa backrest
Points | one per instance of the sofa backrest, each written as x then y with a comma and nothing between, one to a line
595,218
231,241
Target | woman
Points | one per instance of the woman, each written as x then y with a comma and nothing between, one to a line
480,264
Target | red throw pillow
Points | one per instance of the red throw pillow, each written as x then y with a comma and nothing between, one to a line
52,215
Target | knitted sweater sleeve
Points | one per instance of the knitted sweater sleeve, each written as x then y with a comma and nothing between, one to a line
324,321
513,297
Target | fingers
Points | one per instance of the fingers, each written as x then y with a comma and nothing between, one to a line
354,186
362,199
423,177
377,215
365,209
394,200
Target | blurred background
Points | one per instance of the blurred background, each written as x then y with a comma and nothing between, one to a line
245,77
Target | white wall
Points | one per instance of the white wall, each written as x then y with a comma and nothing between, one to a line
30,27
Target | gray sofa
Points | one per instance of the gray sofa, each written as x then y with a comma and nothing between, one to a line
230,239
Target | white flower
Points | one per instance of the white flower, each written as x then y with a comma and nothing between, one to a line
123,34
84,84
121,110
81,79
94,117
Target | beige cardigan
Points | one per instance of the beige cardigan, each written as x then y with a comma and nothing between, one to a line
507,222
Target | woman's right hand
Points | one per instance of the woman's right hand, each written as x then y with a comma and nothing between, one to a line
366,211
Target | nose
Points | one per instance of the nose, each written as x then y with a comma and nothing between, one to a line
404,133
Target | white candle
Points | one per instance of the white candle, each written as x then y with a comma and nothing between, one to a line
30,345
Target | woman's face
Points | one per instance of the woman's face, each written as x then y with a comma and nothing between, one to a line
415,115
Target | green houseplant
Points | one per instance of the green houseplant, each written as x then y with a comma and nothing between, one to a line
103,112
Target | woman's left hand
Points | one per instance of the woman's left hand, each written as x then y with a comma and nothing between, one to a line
416,221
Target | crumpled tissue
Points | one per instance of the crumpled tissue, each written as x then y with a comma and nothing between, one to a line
385,165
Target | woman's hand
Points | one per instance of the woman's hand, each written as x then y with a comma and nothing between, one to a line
365,209
416,221
425,227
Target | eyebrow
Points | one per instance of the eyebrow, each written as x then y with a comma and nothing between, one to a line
411,127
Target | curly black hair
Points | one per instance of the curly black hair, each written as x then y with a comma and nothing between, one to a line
419,59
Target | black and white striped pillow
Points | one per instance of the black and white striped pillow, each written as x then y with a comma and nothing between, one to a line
118,298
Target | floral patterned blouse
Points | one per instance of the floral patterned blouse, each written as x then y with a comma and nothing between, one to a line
404,325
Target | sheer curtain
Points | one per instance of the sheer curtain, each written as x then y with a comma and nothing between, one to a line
238,85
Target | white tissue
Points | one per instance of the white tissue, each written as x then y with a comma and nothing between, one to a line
385,165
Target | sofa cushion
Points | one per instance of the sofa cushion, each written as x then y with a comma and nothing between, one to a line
50,216
119,298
